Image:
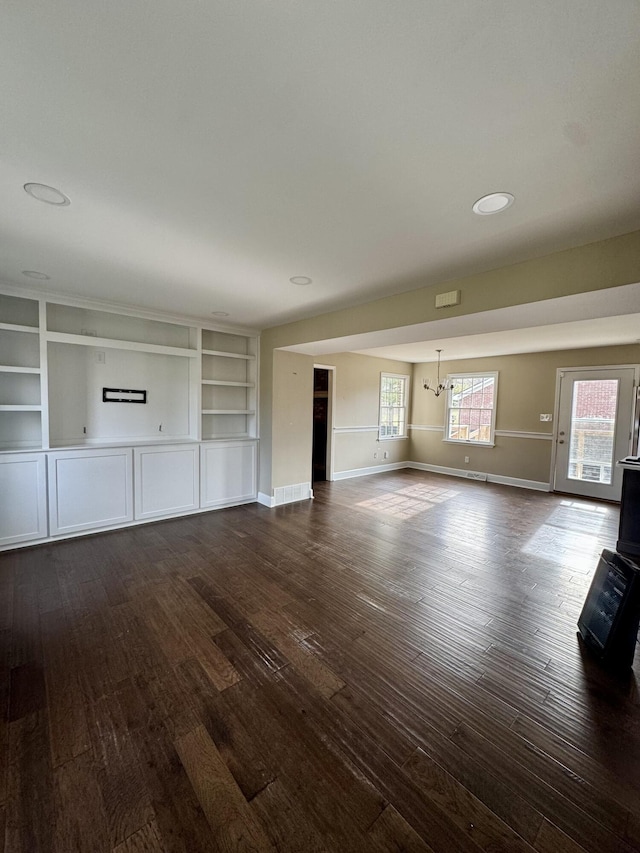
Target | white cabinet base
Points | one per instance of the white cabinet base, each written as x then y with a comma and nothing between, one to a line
23,498
228,473
89,489
167,480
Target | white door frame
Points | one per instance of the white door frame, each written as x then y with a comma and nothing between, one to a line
331,407
633,426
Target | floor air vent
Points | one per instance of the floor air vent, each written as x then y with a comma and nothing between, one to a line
476,475
289,494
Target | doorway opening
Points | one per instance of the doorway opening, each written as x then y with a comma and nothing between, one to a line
322,468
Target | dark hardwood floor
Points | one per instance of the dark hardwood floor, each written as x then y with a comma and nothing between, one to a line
390,667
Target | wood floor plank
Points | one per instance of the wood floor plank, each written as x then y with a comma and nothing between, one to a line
30,805
391,831
68,730
299,654
233,824
235,744
291,831
82,822
125,796
145,840
483,826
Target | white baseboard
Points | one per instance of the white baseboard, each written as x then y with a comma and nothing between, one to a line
303,491
481,475
374,469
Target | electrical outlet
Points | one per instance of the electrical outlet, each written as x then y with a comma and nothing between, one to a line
375,455
100,358
546,418
466,459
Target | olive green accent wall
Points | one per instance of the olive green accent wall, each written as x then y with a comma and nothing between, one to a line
608,263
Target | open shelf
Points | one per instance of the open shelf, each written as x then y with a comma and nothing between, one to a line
7,368
107,325
15,327
19,350
19,313
117,343
20,427
230,384
222,354
228,412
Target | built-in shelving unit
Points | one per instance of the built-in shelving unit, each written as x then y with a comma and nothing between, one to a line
20,383
112,417
229,372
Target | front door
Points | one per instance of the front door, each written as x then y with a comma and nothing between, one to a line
594,429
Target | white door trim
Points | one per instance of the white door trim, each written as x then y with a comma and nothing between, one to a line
556,410
331,409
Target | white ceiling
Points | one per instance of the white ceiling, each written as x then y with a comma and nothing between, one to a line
212,150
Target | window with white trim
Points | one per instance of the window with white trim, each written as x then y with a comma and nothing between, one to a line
471,408
394,402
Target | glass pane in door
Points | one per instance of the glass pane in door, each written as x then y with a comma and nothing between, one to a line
593,418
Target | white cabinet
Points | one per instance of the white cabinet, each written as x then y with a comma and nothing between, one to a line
228,473
89,489
23,498
166,480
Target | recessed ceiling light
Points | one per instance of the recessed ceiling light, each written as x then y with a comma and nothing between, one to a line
50,195
220,313
41,276
493,203
301,280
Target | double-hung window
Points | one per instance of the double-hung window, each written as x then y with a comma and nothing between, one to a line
394,403
471,407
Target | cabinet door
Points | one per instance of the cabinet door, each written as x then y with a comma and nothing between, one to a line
90,489
167,480
228,473
23,497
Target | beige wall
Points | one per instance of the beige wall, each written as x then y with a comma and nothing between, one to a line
608,263
526,389
292,418
357,400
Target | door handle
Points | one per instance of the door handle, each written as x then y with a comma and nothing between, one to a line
561,441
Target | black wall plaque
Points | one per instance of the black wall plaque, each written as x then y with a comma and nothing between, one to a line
123,395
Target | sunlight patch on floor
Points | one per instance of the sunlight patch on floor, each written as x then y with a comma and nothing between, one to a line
408,502
558,540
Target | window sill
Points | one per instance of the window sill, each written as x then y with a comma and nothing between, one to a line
469,443
392,437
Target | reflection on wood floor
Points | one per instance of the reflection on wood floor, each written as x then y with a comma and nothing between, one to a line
390,667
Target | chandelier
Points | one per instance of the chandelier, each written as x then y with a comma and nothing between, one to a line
437,387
